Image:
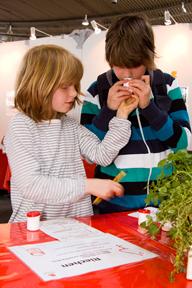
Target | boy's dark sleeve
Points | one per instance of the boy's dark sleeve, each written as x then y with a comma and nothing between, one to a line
172,127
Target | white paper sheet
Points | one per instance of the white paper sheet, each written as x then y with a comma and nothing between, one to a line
68,229
55,260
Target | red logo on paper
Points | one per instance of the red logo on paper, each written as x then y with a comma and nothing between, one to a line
125,250
35,252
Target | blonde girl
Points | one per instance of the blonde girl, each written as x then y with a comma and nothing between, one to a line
44,146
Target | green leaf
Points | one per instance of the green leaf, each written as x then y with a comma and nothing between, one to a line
162,163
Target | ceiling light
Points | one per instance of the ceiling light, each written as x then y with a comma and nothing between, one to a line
32,37
10,32
33,29
167,18
85,21
96,28
183,8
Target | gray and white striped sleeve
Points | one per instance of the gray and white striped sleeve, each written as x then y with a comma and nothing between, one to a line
104,152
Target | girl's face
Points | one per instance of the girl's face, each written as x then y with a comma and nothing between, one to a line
134,73
63,98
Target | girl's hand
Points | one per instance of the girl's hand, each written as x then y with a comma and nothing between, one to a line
141,88
117,93
103,188
127,106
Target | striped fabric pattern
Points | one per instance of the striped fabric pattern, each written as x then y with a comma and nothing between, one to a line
164,133
47,171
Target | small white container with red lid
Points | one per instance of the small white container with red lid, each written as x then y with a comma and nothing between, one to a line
33,218
142,215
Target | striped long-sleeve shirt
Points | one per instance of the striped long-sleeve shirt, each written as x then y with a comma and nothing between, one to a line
47,170
164,132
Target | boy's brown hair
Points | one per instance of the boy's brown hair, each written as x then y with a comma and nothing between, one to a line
43,70
130,43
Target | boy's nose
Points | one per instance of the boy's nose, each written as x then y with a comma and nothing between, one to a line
128,73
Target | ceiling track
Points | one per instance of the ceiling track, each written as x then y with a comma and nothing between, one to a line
98,19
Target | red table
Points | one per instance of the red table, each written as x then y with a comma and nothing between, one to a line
149,273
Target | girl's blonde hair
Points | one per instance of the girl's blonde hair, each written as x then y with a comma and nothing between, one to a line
43,70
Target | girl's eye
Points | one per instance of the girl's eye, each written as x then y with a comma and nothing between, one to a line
64,87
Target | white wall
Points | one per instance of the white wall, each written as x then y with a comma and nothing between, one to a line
10,56
173,45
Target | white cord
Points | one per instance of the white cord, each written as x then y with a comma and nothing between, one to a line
149,152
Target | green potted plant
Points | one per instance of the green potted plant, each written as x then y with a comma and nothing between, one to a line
173,193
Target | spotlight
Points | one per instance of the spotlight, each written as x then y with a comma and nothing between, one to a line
10,32
33,29
32,37
183,8
96,28
114,1
85,21
167,18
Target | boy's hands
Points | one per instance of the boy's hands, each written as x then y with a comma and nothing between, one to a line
117,93
141,88
103,188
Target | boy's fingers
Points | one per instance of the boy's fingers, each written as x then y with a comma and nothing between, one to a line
146,78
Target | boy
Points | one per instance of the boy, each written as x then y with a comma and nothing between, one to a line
160,123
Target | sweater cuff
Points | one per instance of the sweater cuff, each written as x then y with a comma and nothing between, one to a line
119,123
155,116
101,121
151,112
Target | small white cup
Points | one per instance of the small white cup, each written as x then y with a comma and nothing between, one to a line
143,215
33,218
